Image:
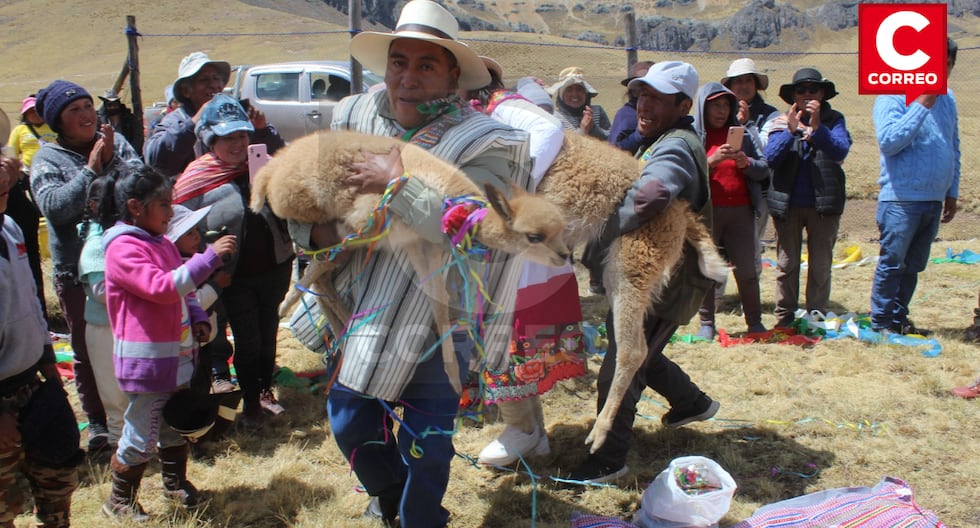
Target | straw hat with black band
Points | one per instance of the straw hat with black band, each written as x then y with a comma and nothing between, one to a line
428,21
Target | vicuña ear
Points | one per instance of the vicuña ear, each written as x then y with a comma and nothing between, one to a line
499,203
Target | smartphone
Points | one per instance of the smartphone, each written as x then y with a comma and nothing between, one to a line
735,135
258,156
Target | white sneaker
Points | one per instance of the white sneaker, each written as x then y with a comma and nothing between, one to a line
513,444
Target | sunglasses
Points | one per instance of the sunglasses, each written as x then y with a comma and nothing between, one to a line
807,89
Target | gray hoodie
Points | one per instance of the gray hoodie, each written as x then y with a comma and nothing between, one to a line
59,181
757,173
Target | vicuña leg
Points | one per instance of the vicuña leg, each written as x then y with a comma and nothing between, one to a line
639,265
424,258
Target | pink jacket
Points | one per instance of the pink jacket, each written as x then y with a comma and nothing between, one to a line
152,308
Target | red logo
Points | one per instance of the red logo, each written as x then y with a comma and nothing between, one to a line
902,49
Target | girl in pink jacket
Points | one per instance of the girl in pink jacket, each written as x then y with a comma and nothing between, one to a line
156,325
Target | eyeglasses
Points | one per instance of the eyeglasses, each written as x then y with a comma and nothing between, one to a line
807,89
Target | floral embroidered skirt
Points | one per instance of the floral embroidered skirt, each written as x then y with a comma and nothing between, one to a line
547,344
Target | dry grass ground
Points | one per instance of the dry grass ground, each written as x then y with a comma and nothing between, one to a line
850,410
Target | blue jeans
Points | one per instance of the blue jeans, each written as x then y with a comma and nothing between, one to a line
906,230
417,466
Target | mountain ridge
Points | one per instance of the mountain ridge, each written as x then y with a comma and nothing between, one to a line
662,25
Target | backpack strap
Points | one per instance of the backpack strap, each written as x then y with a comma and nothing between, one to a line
700,159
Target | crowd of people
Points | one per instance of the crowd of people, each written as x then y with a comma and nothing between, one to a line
155,253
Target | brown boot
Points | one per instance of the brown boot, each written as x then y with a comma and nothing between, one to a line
122,500
973,333
173,469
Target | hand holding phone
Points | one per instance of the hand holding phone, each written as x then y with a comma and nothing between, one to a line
258,156
735,135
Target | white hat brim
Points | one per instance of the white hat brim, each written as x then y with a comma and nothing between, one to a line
761,77
371,50
568,81
178,229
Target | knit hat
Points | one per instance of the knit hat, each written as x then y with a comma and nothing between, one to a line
569,76
53,98
529,88
192,64
27,104
745,66
222,115
807,75
670,78
184,220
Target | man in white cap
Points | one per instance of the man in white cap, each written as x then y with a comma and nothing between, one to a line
385,357
674,166
172,144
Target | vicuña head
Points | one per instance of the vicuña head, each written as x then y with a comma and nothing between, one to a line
525,224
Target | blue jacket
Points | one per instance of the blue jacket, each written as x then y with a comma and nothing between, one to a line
920,149
808,173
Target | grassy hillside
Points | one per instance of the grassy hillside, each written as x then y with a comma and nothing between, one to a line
86,44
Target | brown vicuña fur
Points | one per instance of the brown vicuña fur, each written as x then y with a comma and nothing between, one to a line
587,182
306,182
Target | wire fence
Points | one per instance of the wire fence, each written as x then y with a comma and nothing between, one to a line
522,54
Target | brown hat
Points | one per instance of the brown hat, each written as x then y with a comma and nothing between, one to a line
639,69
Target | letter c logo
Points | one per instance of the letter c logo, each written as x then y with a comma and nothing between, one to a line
885,40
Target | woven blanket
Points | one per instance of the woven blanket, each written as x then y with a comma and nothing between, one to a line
887,505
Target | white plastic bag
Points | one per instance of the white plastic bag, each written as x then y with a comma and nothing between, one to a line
693,491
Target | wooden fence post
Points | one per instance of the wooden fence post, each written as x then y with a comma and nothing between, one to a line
133,62
631,55
356,73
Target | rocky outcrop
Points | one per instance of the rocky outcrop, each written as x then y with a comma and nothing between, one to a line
757,25
761,22
670,34
837,15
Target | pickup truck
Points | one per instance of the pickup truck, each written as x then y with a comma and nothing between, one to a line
297,97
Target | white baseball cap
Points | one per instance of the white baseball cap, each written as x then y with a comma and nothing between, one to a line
670,77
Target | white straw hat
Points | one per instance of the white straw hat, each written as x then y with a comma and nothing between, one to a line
745,67
422,20
569,76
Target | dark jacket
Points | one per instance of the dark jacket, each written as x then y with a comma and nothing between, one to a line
809,173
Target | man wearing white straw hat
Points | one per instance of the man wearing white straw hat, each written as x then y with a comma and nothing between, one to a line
387,356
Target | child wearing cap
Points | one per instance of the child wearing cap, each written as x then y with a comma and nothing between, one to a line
185,232
157,325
